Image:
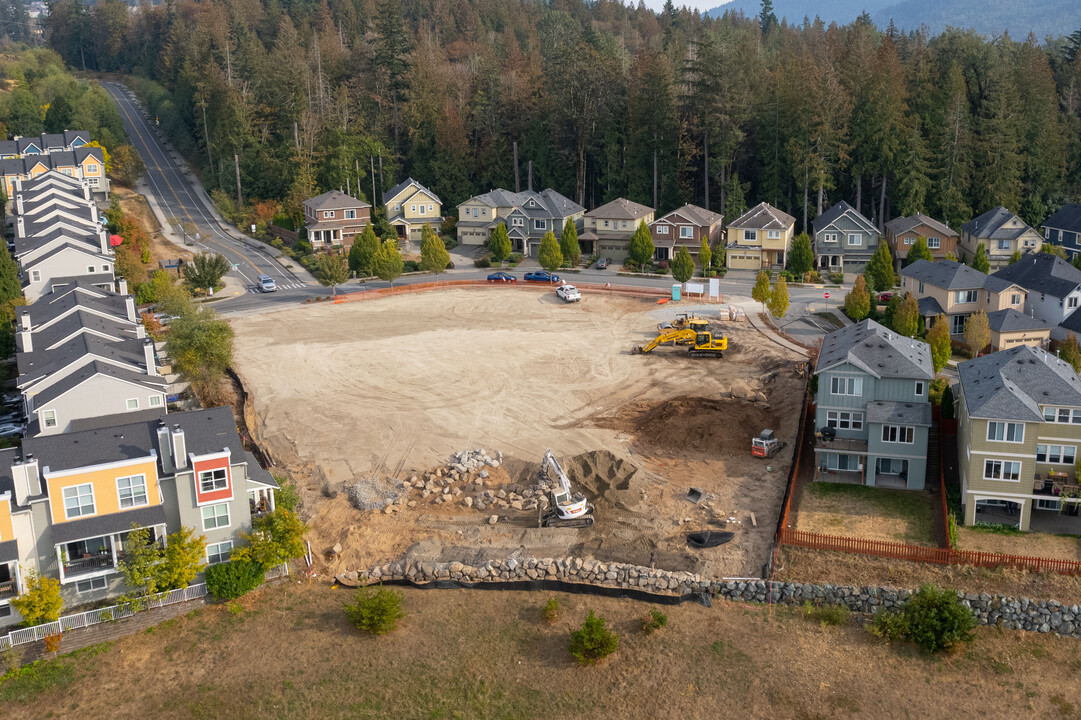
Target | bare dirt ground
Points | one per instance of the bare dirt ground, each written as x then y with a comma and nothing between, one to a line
288,652
390,388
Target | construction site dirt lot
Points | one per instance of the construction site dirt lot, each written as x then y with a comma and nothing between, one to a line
287,652
386,390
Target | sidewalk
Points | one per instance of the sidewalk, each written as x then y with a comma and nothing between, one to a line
752,310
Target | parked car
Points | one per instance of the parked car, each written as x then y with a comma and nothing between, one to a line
266,284
569,293
11,429
541,276
603,263
502,277
885,297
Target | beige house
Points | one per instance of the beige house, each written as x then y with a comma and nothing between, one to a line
760,238
410,206
1019,427
607,230
1002,233
1010,328
956,291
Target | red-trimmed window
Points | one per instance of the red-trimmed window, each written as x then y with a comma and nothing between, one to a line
213,481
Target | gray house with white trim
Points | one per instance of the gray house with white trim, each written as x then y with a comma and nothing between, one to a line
844,240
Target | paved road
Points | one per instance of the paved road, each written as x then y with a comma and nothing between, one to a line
178,198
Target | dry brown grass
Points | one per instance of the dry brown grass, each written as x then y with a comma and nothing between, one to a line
867,512
1045,545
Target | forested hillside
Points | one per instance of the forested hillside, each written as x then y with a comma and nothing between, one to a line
312,95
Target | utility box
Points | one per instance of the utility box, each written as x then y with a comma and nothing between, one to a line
675,292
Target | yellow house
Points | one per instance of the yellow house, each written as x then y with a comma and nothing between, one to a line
410,206
760,238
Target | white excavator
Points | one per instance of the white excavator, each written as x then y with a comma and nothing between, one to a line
566,508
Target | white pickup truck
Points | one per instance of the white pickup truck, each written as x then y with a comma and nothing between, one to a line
569,293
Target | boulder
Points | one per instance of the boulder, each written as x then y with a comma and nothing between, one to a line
493,520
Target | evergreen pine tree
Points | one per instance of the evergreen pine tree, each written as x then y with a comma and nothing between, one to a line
568,245
979,260
801,258
880,275
364,248
387,263
433,251
683,265
499,243
10,285
919,251
858,300
761,291
641,247
549,255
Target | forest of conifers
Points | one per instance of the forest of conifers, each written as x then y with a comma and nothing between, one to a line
602,98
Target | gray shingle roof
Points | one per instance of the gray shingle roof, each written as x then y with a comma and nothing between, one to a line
77,378
996,224
39,363
389,194
901,225
1013,384
697,215
548,203
929,306
900,413
842,208
763,216
1043,273
1067,217
620,209
952,275
1010,320
877,351
115,522
334,200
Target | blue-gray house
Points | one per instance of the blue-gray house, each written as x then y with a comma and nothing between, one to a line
1063,227
872,413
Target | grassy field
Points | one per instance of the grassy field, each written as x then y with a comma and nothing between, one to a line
287,652
1014,542
867,512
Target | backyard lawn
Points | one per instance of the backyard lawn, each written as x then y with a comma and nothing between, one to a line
1014,542
867,512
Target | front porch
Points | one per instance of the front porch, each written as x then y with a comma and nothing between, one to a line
261,501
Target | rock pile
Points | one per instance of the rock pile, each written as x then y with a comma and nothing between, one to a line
372,494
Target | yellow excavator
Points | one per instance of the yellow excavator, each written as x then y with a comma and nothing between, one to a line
702,344
684,321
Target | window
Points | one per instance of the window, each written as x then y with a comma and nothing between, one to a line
476,212
750,235
846,386
66,171
398,208
1071,302
218,552
1001,470
829,237
92,169
921,287
1003,244
844,420
430,208
48,418
1056,454
897,434
155,401
540,225
35,276
606,223
920,387
350,214
662,229
966,296
5,611
1015,299
216,516
105,268
934,243
623,225
85,586
78,501
517,222
132,491
133,404
211,480
328,213
1047,505
421,209
686,232
957,324
412,208
855,238
908,240
1006,432
774,234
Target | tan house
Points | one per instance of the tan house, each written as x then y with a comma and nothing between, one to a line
1010,328
902,232
760,238
685,227
334,219
1002,233
956,290
607,230
410,206
1018,430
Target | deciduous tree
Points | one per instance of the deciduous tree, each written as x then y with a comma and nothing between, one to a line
761,290
362,252
919,251
938,337
499,243
979,260
331,271
977,332
568,244
433,251
127,165
387,262
205,271
801,258
640,249
778,298
705,256
907,319
40,601
879,272
549,255
1069,351
858,300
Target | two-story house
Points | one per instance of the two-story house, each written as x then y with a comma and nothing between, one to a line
74,498
902,233
949,288
43,144
335,219
1053,285
844,240
760,238
685,227
410,206
86,164
872,412
74,310
1018,430
1002,233
1063,228
607,230
527,215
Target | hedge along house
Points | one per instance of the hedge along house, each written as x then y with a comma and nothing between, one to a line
872,411
1018,430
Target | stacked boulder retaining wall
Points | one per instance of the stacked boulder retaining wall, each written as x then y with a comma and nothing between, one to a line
572,574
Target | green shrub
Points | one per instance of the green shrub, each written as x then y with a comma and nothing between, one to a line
514,258
230,580
552,610
593,641
837,278
483,262
825,614
653,621
287,496
951,529
934,619
410,266
376,610
889,625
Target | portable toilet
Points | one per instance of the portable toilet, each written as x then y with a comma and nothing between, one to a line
675,292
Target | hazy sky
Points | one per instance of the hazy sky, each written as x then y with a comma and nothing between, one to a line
701,5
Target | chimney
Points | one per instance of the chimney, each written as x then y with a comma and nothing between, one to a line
20,227
94,214
148,355
23,341
165,449
140,331
24,319
86,191
122,286
129,303
103,241
529,175
27,479
180,450
19,204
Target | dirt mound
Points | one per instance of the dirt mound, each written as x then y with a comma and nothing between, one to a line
722,428
608,481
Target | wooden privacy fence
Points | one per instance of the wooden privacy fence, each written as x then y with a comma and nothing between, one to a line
920,553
